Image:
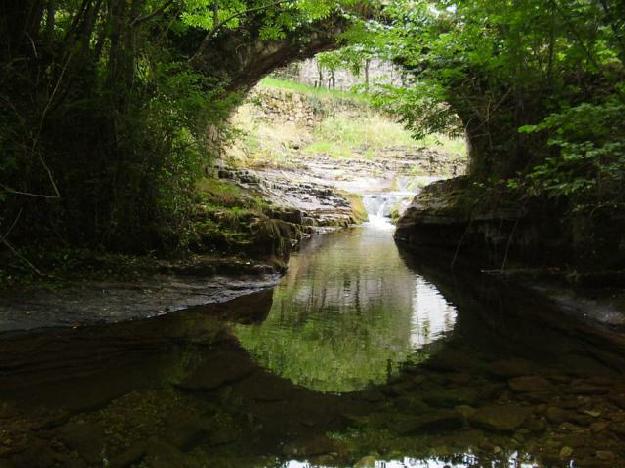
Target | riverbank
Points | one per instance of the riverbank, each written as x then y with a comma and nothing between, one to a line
297,171
535,244
246,232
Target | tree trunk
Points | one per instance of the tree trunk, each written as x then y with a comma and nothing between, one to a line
20,22
50,17
320,71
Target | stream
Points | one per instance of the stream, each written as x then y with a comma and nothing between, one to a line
348,314
362,355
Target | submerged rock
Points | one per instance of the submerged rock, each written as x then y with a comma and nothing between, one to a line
213,374
450,360
437,421
315,446
557,415
505,418
529,384
371,395
161,454
566,452
85,438
413,404
187,432
618,400
130,456
449,398
605,455
366,462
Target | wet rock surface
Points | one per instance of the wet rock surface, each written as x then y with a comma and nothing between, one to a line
318,190
500,417
298,198
177,288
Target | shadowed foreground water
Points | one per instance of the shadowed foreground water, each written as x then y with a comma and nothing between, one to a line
362,356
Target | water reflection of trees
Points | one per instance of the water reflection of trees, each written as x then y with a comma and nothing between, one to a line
344,316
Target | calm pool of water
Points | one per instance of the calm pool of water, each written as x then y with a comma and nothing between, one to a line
364,355
348,314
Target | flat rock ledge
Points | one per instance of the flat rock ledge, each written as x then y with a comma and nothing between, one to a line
98,302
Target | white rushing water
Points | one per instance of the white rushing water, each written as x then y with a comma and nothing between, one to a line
380,205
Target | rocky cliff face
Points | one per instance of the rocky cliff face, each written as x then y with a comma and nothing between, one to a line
290,106
500,233
437,217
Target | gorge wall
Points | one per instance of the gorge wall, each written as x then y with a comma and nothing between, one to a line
503,232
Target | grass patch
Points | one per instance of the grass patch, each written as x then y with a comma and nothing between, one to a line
265,143
220,193
342,132
324,93
344,135
370,132
331,148
338,134
452,146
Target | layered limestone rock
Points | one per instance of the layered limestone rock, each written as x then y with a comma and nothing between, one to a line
444,216
290,106
499,231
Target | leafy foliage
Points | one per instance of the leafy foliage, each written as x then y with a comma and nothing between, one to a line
589,165
554,69
279,16
106,122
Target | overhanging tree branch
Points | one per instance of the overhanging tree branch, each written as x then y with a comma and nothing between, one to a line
219,25
160,10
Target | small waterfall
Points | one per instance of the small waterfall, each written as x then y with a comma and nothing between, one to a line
379,206
377,209
382,208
